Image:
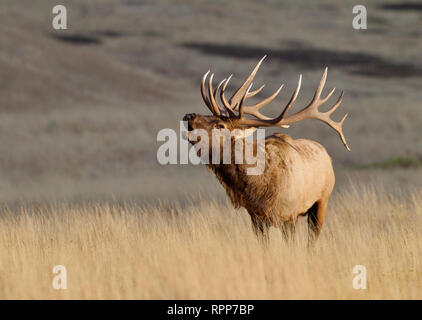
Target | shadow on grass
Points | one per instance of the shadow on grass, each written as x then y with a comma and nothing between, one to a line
315,58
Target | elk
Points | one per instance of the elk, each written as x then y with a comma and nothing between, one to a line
298,178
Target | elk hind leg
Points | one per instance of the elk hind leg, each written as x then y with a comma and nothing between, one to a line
316,216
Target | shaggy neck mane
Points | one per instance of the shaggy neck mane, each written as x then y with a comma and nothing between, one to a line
244,190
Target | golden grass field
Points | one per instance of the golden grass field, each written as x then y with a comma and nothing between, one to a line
208,251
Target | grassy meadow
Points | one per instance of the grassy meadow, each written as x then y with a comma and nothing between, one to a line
208,251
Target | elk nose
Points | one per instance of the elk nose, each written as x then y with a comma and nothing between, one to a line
189,116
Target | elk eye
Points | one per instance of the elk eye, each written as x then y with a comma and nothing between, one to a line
220,126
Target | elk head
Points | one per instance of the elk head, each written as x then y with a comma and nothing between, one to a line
231,115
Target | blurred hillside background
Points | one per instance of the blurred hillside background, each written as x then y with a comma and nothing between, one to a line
80,108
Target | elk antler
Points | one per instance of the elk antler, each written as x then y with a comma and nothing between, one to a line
237,96
234,101
237,102
309,112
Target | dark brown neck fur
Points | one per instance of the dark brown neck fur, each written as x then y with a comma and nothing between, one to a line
248,191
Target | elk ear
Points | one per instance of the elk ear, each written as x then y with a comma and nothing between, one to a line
240,134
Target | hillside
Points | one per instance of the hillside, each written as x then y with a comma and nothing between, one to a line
80,109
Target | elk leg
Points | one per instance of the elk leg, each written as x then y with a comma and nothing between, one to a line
288,229
316,216
260,227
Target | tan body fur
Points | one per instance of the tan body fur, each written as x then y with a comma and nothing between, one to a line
298,180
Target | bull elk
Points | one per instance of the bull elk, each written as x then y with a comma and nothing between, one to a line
298,178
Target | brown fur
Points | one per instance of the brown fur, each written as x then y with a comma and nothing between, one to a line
298,180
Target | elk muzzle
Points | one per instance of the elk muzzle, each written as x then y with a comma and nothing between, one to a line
189,117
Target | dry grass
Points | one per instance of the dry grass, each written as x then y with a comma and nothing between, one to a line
208,251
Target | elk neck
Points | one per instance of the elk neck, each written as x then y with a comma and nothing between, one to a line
233,176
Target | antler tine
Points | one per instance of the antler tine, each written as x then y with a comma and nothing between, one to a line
203,92
218,87
212,100
254,110
337,126
216,91
223,99
241,108
336,105
328,96
253,93
292,99
318,92
340,131
238,95
250,95
320,87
